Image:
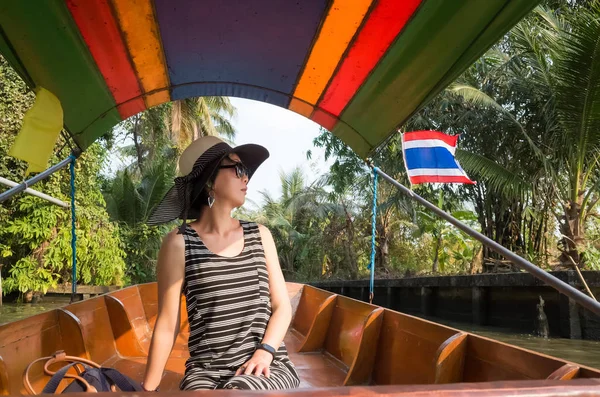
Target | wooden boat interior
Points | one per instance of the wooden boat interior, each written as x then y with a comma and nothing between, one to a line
333,340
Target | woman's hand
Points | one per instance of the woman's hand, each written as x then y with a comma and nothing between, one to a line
257,365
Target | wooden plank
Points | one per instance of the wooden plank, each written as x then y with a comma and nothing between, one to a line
308,307
407,349
4,380
131,301
96,329
23,341
317,331
545,388
346,328
72,334
450,359
362,367
126,340
489,360
149,295
566,372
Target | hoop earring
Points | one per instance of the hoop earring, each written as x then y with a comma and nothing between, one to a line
211,199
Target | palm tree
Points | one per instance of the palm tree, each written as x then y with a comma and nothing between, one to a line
193,118
176,124
557,60
295,218
130,202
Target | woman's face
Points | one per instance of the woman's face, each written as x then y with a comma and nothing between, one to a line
228,186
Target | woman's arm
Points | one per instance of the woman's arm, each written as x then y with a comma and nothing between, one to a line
170,274
280,302
281,309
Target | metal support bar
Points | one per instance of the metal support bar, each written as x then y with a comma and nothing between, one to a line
41,176
41,195
537,272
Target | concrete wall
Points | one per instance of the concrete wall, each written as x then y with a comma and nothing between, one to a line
505,300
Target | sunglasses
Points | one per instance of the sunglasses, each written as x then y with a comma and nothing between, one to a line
240,169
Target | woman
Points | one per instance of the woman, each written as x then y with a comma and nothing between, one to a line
237,302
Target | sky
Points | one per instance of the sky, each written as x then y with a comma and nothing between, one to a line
287,136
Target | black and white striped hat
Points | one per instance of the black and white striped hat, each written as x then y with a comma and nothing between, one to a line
197,164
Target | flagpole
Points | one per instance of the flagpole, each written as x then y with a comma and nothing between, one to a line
41,176
41,195
537,272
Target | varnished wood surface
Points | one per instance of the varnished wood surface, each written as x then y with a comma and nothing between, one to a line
127,341
346,327
575,388
4,382
407,347
314,319
353,343
364,361
450,359
566,372
312,302
489,360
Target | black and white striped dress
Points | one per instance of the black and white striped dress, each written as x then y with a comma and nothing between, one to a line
229,307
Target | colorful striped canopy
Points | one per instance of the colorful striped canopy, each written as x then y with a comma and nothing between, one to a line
360,68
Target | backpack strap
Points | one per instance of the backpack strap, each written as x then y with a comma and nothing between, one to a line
121,381
53,383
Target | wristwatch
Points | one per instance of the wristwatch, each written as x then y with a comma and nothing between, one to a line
269,348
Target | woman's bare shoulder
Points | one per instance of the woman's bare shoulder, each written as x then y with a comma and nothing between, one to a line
173,240
263,228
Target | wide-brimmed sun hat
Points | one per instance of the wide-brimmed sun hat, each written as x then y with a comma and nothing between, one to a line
198,162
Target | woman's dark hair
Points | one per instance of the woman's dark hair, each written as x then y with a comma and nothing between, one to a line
201,192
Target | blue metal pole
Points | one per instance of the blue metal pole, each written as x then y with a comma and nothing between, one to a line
73,228
524,264
373,233
42,175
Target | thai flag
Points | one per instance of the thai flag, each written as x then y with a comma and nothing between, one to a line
429,158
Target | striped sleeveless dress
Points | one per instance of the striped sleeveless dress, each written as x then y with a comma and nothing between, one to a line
229,307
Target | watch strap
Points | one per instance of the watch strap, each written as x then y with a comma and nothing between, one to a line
269,348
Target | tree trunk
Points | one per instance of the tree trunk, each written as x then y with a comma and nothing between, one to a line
436,253
573,235
349,245
137,143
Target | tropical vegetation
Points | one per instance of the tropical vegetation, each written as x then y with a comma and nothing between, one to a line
528,112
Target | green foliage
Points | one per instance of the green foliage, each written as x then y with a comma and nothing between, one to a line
141,244
131,201
36,235
544,89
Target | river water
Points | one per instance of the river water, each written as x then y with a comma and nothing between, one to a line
579,351
10,312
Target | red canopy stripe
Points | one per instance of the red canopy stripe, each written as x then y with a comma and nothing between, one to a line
103,38
379,31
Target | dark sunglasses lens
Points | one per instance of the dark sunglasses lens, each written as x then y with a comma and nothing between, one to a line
241,170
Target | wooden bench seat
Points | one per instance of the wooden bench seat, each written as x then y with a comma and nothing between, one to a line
315,369
122,351
128,315
29,339
489,360
332,339
312,317
407,347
